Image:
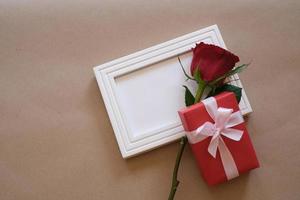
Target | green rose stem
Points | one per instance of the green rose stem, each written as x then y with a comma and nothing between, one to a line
175,182
183,141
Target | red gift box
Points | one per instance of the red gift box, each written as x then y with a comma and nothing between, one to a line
242,151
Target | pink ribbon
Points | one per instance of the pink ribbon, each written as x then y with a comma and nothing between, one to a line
224,119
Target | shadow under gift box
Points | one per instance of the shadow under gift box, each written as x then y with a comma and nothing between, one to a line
242,151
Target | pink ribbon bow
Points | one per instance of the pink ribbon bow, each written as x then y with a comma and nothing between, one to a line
224,119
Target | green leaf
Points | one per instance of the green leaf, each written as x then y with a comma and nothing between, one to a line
237,70
213,90
230,88
187,76
230,73
197,75
189,97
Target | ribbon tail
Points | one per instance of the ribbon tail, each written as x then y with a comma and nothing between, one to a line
229,165
213,146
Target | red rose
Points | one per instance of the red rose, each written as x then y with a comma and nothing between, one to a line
213,61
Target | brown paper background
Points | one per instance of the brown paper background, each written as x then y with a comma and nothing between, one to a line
56,141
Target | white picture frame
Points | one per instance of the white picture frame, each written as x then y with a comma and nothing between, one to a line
143,91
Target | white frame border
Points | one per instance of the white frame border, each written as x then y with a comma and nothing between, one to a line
106,74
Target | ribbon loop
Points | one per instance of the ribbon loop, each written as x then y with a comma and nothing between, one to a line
224,119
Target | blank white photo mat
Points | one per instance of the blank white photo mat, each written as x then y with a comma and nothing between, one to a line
143,91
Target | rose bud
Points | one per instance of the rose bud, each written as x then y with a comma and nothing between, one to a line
212,61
